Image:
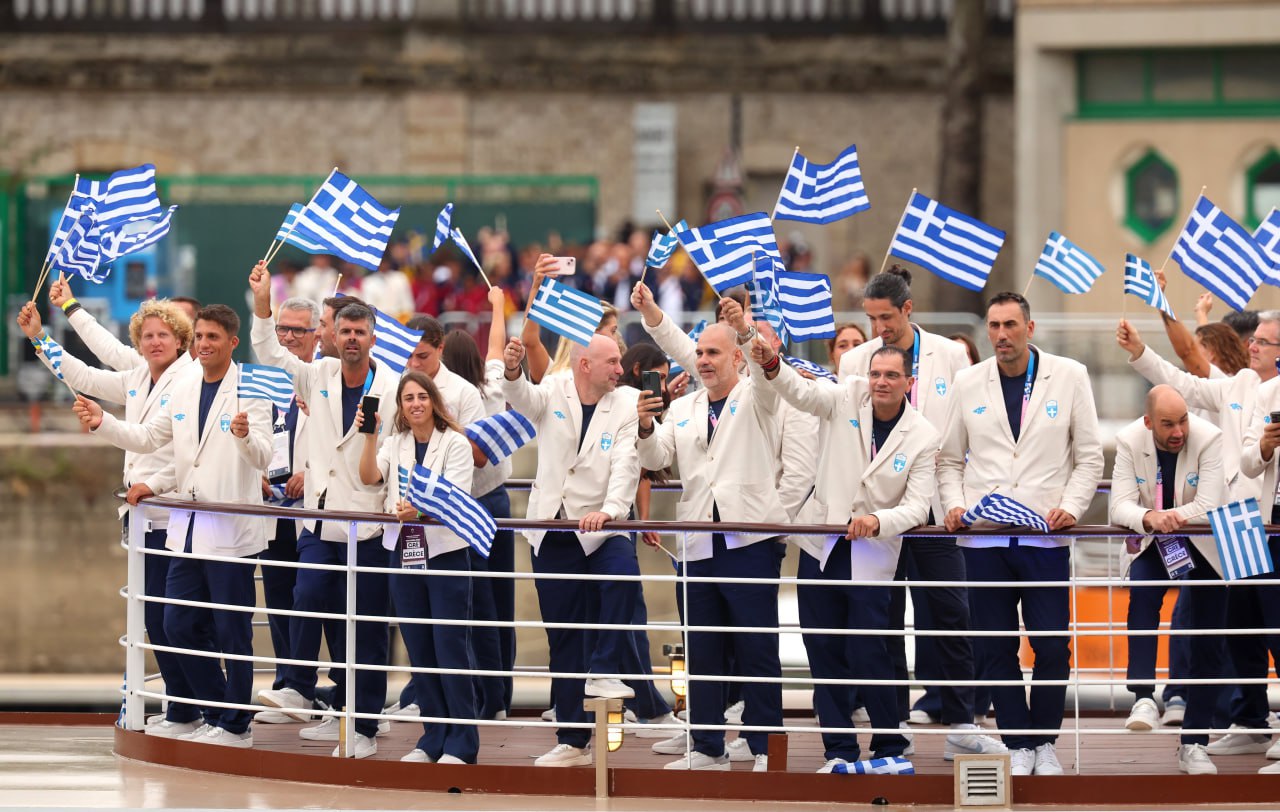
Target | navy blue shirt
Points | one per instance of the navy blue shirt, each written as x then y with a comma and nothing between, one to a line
588,412
714,408
1167,464
1012,388
351,396
881,429
208,391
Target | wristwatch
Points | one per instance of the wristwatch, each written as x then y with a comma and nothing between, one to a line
746,337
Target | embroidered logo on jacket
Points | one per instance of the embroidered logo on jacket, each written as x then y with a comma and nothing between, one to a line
899,463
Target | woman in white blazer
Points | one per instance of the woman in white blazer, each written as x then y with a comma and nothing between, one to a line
425,435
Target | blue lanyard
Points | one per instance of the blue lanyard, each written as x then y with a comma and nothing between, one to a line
368,381
1026,387
915,363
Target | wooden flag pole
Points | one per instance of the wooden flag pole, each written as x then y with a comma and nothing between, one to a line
274,248
664,220
1184,228
773,214
1028,287
48,260
336,284
901,220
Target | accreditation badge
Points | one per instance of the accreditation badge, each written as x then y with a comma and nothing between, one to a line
1176,556
278,470
413,548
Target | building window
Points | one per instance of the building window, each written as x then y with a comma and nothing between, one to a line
1151,196
1173,83
1262,187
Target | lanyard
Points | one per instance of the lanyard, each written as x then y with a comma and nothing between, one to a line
368,381
1026,387
1159,485
915,363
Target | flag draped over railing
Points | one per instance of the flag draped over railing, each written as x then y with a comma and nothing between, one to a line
1001,509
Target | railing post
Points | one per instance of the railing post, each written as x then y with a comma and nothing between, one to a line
347,739
135,658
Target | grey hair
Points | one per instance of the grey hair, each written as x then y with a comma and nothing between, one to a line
303,303
1269,315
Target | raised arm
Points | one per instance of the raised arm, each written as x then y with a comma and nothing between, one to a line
531,334
100,341
1200,393
670,338
524,397
99,383
815,397
497,324
1185,345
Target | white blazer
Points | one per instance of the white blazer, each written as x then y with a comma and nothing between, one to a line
573,481
449,455
1263,472
215,466
1056,462
1232,399
332,456
895,487
737,471
940,360
1199,483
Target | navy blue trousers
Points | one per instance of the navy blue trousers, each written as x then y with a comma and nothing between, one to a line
1043,609
325,591
440,597
756,653
566,601
217,631
494,599
156,576
840,606
277,589
1253,607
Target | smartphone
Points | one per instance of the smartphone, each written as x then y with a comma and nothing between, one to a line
369,409
1275,418
651,382
564,266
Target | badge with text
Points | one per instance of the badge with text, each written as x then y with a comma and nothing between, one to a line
413,548
1176,556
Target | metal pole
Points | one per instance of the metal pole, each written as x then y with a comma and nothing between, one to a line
135,658
346,739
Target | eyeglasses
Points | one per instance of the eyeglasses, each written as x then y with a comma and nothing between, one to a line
1262,342
296,332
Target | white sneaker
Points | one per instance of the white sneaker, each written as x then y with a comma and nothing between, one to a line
1046,761
762,764
1273,721
919,717
195,734
549,715
1174,710
860,717
1270,769
1021,761
737,750
733,713
699,761
364,747
911,745
448,759
656,733
1193,759
683,715
964,739
273,717
155,719
674,746
1237,744
326,731
384,727
1144,715
417,755
172,730
1273,752
564,755
500,716
225,738
831,765
629,716
288,700
410,711
608,689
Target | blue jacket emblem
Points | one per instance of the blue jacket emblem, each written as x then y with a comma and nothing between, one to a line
980,410
1193,478
180,416
1236,406
733,407
324,393
606,441
133,393
683,423
855,424
899,463
224,422
941,386
1051,408
559,414
164,399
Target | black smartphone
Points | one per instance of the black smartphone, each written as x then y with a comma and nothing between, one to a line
369,410
1275,417
651,382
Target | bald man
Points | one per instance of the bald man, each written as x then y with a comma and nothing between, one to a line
587,472
1168,474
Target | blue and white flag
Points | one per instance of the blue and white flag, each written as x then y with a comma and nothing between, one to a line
723,250
1268,236
1069,267
893,765
499,435
822,193
956,247
805,299
53,351
763,288
130,238
349,221
1242,539
266,383
1218,253
444,227
403,481
70,214
805,365
453,507
465,247
664,245
566,311
79,249
127,195
395,342
1003,510
298,236
1140,281
674,369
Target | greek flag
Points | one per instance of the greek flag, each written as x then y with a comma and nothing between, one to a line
453,507
403,480
1067,265
349,221
664,245
129,194
70,214
79,249
805,299
499,435
1242,539
130,238
763,288
266,383
444,225
674,369
1002,510
464,247
822,193
394,342
53,351
1141,282
1218,253
893,765
566,311
804,365
298,236
723,250
1268,236
956,247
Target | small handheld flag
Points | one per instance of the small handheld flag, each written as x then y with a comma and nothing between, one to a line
395,342
1003,510
349,221
298,236
723,250
763,288
1268,236
664,245
1242,539
956,247
127,195
1218,253
453,507
1140,281
822,193
1067,265
804,365
805,300
444,226
566,311
266,383
499,435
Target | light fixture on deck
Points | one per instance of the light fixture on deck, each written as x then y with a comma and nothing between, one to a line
615,720
678,673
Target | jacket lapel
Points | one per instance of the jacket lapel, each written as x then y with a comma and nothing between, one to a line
727,412
995,400
1147,469
226,390
892,442
1039,392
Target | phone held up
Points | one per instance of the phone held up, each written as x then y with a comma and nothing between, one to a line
369,412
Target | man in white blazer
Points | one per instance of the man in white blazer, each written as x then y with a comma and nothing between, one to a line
1232,399
1022,423
333,389
935,360
724,437
588,473
1169,474
221,445
103,343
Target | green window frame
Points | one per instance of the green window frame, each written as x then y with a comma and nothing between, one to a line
1136,223
1253,217
1149,106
